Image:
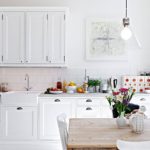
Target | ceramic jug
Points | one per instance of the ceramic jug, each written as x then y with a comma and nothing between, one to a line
137,122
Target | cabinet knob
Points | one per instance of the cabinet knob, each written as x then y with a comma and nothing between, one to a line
19,108
88,100
57,100
88,108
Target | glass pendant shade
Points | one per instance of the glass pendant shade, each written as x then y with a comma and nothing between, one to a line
126,33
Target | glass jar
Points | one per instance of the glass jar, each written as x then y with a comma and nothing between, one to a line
59,85
4,87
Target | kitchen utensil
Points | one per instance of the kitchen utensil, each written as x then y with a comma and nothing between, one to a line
113,83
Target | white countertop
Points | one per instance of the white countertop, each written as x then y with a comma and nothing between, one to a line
75,95
40,94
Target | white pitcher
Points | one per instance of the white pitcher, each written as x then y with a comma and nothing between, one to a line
137,122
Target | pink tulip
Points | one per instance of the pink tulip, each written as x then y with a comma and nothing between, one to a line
116,93
123,90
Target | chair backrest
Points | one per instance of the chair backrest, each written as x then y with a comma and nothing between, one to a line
126,145
62,125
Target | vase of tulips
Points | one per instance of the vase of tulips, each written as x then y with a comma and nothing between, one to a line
119,100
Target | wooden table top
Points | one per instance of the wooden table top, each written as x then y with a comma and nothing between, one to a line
101,133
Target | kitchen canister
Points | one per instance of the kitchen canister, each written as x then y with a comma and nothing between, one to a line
137,122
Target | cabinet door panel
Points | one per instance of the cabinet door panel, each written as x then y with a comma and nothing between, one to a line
1,42
13,37
36,37
106,111
19,123
48,117
56,37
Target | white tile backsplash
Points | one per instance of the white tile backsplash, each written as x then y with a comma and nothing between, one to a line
42,78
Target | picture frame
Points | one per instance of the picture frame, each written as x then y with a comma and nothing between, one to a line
103,40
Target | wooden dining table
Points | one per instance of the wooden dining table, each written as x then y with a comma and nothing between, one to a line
101,134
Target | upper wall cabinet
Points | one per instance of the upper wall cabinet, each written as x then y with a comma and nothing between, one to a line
33,37
13,37
56,34
36,37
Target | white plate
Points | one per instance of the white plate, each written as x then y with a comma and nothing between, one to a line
56,92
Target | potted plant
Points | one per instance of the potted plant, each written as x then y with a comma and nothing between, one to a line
94,85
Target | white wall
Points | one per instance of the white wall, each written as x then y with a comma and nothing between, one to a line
138,60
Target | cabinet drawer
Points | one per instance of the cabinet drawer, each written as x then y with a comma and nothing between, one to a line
88,101
88,112
54,100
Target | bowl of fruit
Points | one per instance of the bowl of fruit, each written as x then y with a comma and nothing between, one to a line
53,91
71,88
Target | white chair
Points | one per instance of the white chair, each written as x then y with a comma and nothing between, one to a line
62,125
126,145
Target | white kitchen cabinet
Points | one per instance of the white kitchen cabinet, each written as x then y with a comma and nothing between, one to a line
0,121
106,111
13,37
33,37
142,101
1,41
56,37
19,123
49,109
36,37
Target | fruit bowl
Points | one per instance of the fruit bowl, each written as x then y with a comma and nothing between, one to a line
71,88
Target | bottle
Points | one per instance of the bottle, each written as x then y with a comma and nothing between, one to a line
85,86
59,84
64,86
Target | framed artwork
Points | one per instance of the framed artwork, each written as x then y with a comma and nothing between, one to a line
103,40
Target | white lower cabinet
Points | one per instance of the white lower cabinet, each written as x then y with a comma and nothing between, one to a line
19,123
33,125
49,109
106,111
142,101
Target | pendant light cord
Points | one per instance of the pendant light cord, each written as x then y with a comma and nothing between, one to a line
126,8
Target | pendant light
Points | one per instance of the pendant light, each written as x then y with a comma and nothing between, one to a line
126,32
